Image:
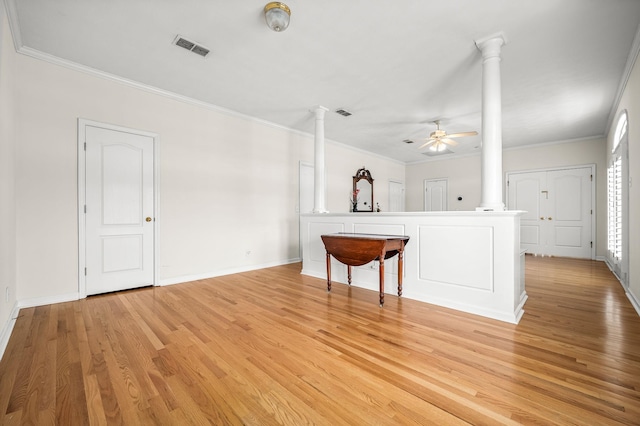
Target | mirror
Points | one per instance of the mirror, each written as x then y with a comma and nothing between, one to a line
362,196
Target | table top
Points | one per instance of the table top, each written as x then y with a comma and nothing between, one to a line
367,236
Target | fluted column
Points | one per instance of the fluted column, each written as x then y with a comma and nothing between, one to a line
491,123
319,185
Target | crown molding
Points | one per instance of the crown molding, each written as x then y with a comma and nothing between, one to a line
14,26
631,61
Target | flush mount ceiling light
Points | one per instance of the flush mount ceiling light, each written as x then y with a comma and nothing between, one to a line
277,15
438,147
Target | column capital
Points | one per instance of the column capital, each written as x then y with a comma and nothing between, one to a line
490,45
319,111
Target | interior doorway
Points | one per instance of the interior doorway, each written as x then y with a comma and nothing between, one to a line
306,200
560,210
396,196
435,195
117,208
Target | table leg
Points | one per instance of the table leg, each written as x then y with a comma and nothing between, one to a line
381,272
349,274
400,271
328,272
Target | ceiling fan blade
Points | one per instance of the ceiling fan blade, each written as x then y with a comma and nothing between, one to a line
429,142
462,134
449,141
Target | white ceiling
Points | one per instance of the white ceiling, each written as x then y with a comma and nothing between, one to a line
396,65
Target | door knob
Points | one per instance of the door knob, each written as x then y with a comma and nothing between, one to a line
550,218
541,217
148,219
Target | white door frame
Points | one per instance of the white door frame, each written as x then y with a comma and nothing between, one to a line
594,183
82,167
424,192
301,166
402,201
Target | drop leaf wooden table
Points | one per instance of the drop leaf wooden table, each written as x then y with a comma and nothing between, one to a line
355,249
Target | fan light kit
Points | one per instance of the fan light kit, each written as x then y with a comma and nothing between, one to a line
439,139
277,15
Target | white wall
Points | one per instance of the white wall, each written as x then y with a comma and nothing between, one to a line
228,184
343,165
630,101
464,176
7,199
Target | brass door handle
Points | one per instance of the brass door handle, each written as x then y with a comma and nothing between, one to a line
550,218
148,219
541,217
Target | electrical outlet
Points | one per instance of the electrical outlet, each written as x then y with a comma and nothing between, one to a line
247,253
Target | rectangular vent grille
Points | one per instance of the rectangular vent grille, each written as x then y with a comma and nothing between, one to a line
191,46
343,112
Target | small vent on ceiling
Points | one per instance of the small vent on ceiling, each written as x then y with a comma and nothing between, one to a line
343,112
191,46
407,141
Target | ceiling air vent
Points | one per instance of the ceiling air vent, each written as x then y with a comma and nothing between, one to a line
191,46
343,112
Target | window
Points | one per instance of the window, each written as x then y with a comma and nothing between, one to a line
614,178
621,131
615,190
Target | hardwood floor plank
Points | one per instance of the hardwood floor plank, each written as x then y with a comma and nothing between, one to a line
95,409
273,347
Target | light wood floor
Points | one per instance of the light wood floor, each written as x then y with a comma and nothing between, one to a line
272,347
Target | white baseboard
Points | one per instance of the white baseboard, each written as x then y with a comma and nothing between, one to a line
48,300
632,297
8,328
634,301
222,272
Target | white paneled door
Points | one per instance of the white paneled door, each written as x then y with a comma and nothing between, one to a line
525,193
559,206
435,195
119,196
396,196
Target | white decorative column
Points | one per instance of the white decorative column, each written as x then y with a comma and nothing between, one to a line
491,123
319,185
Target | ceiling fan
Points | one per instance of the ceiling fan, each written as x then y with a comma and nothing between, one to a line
439,139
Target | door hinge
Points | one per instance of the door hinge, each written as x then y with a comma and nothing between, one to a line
507,183
85,272
591,211
85,146
591,244
591,178
85,209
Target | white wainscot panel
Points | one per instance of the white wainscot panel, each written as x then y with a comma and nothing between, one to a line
390,265
460,255
379,228
317,253
470,261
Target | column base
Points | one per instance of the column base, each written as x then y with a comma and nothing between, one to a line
491,208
